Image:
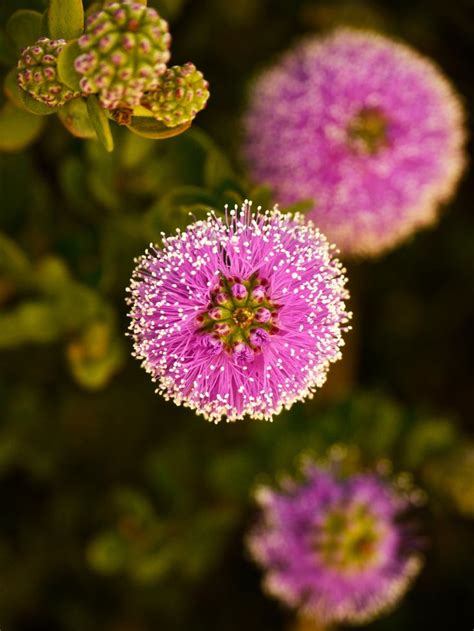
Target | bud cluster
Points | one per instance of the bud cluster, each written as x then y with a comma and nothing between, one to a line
240,318
37,73
125,51
182,93
122,58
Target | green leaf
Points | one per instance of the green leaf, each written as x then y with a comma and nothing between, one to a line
65,19
100,123
107,553
217,170
13,90
13,261
96,355
51,276
75,118
22,99
18,128
65,65
33,321
151,128
135,150
174,208
428,439
36,107
44,23
261,196
24,27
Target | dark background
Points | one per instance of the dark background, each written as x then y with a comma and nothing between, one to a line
121,512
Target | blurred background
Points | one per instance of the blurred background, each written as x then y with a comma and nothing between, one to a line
121,512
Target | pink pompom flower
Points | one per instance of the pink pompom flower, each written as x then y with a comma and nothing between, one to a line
239,315
364,126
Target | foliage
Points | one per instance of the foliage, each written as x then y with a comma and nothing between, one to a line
125,513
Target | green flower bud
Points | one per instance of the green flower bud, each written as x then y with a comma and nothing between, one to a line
37,73
181,94
125,51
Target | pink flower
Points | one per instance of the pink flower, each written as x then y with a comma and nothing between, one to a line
239,316
336,548
364,126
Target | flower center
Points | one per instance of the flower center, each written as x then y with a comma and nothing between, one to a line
348,538
367,131
240,318
243,317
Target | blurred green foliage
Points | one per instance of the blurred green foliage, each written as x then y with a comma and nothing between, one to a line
125,513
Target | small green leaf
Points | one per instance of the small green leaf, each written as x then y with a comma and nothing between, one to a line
107,553
65,65
95,355
36,107
18,128
75,118
173,209
100,123
24,27
139,110
151,128
51,275
261,196
44,23
65,19
13,261
32,321
218,173
135,150
13,90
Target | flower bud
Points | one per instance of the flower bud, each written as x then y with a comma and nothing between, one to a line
259,337
239,291
37,73
262,314
182,93
125,51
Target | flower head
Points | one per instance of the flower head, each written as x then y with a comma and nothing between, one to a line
366,127
182,93
37,73
239,316
125,49
334,547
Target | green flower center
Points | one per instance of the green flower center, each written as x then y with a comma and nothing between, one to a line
348,539
368,131
240,315
243,317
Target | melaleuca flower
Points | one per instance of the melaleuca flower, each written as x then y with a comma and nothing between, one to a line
37,73
126,49
364,126
181,94
239,316
336,548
